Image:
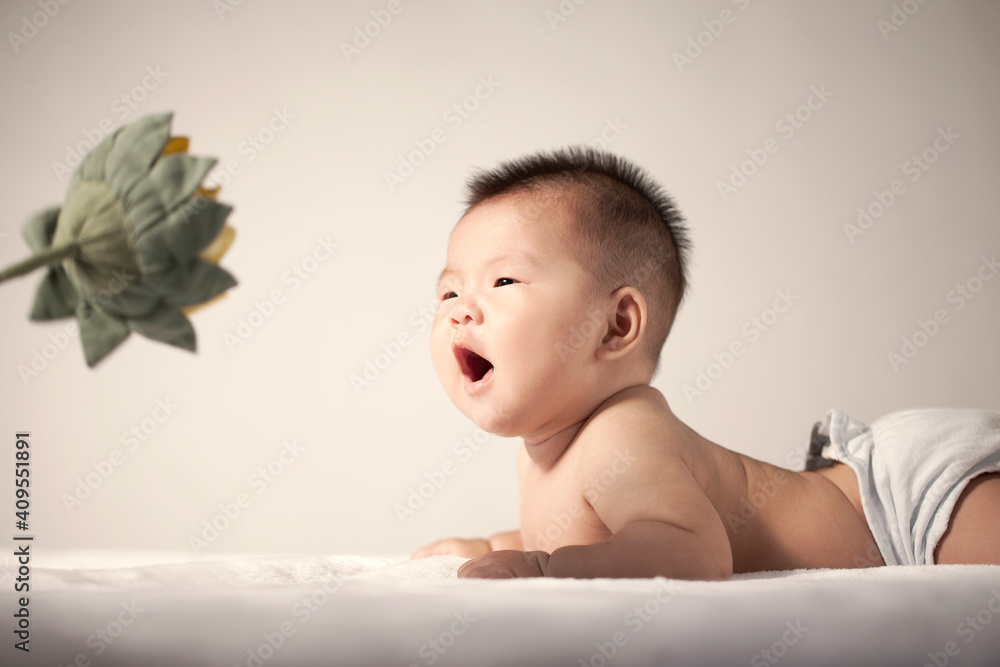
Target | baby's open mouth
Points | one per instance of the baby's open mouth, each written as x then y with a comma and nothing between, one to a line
474,367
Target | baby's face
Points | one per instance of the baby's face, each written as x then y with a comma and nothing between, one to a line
503,340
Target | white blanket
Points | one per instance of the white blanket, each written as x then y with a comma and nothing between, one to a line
358,610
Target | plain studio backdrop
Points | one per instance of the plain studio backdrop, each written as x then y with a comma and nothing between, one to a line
837,164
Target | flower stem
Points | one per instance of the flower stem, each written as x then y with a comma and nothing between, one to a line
46,257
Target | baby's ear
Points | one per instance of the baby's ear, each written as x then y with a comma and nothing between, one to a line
626,324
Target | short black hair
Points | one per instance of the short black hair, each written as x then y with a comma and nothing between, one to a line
631,231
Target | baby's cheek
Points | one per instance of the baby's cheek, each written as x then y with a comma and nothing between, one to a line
440,351
556,343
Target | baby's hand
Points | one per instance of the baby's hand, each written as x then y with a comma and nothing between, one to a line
507,564
455,547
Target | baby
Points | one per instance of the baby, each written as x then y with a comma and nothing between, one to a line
561,284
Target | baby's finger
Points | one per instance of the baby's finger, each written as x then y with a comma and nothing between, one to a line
435,549
480,568
466,568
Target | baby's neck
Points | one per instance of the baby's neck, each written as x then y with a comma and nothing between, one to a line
545,450
545,446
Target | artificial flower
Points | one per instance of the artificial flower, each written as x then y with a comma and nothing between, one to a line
136,244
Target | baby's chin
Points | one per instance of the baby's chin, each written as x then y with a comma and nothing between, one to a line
484,411
492,421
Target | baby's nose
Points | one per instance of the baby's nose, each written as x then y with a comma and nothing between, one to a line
463,317
465,311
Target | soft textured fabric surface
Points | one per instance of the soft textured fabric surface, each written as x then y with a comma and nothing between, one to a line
912,466
362,610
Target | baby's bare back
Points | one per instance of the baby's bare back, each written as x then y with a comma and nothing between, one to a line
775,519
783,520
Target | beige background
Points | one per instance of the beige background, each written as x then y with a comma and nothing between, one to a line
609,68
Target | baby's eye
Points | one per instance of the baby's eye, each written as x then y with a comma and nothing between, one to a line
448,295
501,282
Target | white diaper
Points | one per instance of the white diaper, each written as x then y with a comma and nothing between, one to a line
912,466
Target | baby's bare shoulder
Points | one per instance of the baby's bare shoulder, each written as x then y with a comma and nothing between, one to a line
635,465
637,399
634,422
632,412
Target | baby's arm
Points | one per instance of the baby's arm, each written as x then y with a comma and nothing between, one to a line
644,548
690,545
509,540
661,521
472,548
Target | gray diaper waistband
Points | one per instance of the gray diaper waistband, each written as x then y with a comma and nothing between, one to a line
817,443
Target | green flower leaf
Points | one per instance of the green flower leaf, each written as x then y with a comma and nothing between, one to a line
190,283
37,232
137,300
91,168
172,179
204,281
135,149
55,298
188,231
100,332
167,324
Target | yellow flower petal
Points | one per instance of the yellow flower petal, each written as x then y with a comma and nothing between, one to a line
210,193
213,253
217,248
187,310
176,145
